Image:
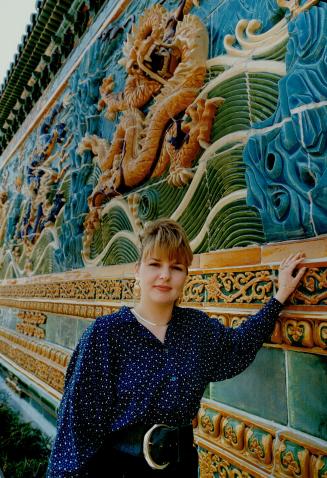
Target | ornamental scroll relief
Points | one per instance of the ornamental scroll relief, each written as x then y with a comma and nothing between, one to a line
46,362
211,291
250,286
211,464
276,452
30,323
296,332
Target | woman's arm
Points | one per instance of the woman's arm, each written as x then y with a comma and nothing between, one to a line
86,405
230,351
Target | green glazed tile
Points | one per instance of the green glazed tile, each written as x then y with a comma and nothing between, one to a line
260,389
307,393
68,332
207,392
82,325
52,328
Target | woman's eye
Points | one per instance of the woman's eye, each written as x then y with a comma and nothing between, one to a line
153,264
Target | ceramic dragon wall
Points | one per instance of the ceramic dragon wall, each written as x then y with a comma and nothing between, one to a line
156,128
212,113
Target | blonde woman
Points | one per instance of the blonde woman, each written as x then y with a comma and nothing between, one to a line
136,378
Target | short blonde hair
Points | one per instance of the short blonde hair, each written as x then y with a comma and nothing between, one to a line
166,235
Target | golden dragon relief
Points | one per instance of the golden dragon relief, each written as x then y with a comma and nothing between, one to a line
163,124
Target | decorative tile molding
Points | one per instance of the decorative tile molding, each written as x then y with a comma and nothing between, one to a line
213,464
46,362
195,289
294,458
233,433
314,290
30,322
307,333
72,309
253,285
257,447
229,294
249,286
100,289
229,286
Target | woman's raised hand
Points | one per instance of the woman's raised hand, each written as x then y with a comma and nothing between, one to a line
287,282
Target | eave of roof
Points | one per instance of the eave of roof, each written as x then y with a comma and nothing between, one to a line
41,53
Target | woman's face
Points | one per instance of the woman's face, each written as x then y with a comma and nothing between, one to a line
161,279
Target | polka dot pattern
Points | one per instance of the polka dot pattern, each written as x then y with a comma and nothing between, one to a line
121,374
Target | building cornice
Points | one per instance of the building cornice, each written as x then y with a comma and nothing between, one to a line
51,35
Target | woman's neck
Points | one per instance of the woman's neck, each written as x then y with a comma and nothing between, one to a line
158,313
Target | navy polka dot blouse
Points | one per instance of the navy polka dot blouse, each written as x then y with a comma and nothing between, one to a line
121,374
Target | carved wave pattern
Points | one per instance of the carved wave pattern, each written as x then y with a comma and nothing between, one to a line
111,224
248,99
121,252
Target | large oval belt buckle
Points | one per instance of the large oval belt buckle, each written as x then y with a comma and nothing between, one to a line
146,448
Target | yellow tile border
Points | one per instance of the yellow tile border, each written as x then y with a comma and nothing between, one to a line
314,447
51,391
315,444
232,459
247,418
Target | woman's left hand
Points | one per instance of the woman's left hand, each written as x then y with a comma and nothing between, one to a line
287,283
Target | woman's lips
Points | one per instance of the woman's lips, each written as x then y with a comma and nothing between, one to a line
162,287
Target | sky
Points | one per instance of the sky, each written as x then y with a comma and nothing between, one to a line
14,16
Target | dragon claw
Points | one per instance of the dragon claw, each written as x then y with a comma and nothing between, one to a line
180,177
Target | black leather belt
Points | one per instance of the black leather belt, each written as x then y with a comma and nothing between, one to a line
160,445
